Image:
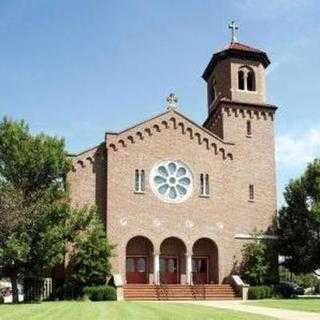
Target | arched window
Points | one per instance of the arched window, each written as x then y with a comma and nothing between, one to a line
241,80
246,79
204,184
250,81
139,182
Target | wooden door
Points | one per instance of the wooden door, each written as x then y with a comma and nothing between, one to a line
200,270
169,270
136,270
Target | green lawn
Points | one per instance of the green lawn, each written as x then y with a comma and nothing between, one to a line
118,311
302,304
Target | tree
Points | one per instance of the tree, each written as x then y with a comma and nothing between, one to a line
32,197
259,261
299,222
89,251
31,162
38,227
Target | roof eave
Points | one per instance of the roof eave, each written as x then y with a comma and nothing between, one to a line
235,53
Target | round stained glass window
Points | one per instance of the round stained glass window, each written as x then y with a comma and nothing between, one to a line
171,181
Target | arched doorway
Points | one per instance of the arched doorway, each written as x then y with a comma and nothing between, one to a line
172,261
205,267
139,260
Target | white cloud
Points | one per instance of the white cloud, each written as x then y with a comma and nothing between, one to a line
297,150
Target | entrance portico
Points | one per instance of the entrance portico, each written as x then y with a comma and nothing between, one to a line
171,263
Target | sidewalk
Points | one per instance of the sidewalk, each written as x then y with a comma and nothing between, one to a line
271,312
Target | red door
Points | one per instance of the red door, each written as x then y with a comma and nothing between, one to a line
136,269
200,270
169,270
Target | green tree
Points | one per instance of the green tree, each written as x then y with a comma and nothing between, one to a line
31,162
259,264
299,222
38,228
88,260
32,213
26,243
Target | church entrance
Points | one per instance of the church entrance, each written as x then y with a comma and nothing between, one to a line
169,270
205,262
139,260
200,270
136,269
172,261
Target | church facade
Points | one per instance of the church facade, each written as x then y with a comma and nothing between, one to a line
180,199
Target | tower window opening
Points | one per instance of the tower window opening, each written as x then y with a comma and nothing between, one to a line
246,79
241,80
250,81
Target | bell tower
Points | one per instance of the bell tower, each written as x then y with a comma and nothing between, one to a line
236,73
239,114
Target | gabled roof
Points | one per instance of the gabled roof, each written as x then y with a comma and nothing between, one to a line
165,113
236,50
169,120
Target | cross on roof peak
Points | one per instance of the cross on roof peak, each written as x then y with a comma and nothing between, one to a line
233,26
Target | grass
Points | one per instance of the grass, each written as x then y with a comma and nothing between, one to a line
119,311
299,304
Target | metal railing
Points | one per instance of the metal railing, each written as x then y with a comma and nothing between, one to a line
198,288
162,290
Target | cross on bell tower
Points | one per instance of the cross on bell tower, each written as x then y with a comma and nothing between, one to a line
233,26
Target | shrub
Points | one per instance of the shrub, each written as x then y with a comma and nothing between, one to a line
259,266
100,293
260,292
308,280
289,289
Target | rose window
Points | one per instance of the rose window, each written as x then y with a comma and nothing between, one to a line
171,181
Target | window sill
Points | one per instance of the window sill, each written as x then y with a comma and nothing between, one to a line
138,192
204,196
251,201
247,91
249,135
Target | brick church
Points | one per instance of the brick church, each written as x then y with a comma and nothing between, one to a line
180,199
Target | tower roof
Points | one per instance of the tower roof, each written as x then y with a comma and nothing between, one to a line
236,50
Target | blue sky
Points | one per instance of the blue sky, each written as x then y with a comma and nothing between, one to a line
79,68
